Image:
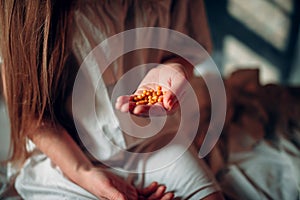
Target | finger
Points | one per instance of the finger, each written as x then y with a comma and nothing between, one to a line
127,107
124,103
122,100
173,109
177,89
149,190
168,196
147,110
141,110
169,100
158,194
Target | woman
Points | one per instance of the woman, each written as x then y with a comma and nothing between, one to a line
43,44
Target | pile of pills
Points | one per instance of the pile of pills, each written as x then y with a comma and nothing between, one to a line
149,97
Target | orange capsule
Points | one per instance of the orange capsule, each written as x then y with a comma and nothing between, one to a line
141,102
149,97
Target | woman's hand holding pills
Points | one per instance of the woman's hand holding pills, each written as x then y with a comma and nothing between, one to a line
158,93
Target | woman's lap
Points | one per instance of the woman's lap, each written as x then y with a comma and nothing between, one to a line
186,176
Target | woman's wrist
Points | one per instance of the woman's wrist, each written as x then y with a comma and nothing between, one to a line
86,178
80,172
178,63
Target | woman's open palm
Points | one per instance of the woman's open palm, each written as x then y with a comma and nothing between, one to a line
170,77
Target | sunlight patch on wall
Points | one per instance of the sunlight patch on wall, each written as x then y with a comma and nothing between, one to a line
237,55
285,5
268,19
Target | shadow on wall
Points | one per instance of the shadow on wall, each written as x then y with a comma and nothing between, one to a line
259,34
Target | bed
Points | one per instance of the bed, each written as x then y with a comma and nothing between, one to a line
258,153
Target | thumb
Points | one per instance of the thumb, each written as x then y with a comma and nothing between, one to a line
176,91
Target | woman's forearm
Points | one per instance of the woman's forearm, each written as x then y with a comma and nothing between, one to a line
57,144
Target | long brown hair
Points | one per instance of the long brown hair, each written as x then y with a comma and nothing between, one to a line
34,51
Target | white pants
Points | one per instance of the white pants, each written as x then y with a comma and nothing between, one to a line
188,177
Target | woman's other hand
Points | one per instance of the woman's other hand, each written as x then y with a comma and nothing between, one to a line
155,192
106,185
